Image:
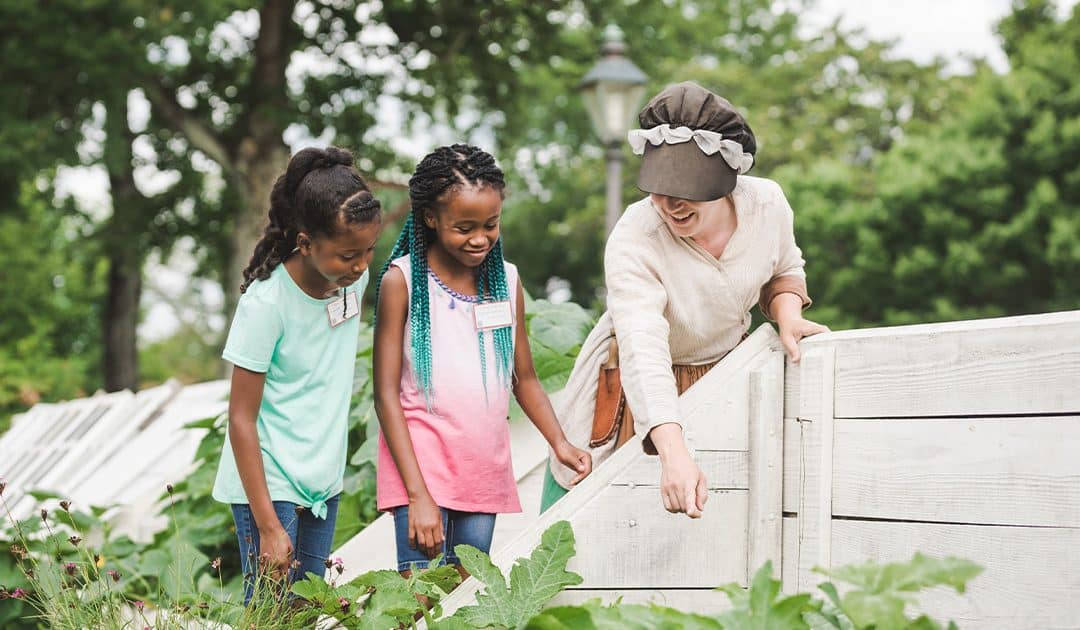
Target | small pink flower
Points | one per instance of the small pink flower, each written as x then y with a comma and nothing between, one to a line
344,603
215,564
338,562
139,605
114,574
69,568
18,594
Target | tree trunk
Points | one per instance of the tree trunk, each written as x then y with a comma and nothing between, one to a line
125,255
261,155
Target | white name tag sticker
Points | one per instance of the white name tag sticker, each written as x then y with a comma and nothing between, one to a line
492,315
341,310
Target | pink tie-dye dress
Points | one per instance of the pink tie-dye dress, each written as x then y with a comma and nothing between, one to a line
463,443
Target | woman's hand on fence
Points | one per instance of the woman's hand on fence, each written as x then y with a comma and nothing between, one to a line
575,459
793,330
425,526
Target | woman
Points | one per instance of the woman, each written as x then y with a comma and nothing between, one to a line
683,268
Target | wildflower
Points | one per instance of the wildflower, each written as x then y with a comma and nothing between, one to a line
344,603
19,552
44,515
114,574
203,605
139,605
3,484
339,565
69,568
65,505
182,608
74,540
295,565
4,594
215,564
29,573
18,594
169,487
99,560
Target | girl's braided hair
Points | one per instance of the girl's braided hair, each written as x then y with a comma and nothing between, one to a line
439,174
318,193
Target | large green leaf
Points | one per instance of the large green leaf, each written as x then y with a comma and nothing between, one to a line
533,580
561,327
762,608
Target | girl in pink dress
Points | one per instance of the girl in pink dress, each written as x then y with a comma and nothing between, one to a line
450,347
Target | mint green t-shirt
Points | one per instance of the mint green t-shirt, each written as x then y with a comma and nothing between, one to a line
303,418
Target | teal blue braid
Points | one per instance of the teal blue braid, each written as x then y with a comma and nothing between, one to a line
420,311
401,247
411,242
491,285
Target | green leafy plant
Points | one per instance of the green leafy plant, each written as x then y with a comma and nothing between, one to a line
533,581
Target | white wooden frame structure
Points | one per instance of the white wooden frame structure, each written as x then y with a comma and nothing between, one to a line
115,449
950,439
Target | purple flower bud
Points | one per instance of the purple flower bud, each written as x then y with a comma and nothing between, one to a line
65,505
114,574
69,568
139,605
18,594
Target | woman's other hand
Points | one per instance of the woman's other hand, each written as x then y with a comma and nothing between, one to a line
683,487
575,459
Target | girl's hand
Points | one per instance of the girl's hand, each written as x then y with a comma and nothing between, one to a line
574,458
793,330
425,526
275,550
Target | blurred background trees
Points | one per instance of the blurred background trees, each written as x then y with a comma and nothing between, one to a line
919,195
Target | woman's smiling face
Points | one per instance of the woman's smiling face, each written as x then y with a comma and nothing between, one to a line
685,218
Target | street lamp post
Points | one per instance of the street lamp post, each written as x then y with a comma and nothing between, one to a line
612,91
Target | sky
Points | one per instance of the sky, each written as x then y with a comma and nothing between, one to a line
923,29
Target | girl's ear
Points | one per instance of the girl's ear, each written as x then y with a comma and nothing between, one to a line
429,219
303,244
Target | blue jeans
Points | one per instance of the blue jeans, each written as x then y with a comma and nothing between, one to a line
459,528
311,540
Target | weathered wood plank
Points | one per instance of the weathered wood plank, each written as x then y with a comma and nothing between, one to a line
724,470
625,539
1005,471
714,409
1022,365
766,465
700,601
792,464
1030,582
816,420
789,574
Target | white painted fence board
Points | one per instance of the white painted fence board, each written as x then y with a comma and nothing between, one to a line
1021,365
792,464
1031,580
789,575
766,465
626,540
714,409
699,601
724,470
815,507
1007,471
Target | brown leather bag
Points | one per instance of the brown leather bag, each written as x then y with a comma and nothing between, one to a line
610,403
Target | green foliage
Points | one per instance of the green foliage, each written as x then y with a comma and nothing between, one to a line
593,615
556,332
761,607
533,581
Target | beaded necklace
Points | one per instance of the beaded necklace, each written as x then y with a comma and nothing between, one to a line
454,295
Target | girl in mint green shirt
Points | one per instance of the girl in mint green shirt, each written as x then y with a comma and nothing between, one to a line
293,344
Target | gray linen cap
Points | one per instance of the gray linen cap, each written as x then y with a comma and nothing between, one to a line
683,170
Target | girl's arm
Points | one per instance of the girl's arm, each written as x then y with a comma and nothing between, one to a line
275,547
425,519
534,401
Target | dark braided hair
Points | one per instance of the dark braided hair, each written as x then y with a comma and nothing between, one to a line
318,193
439,174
